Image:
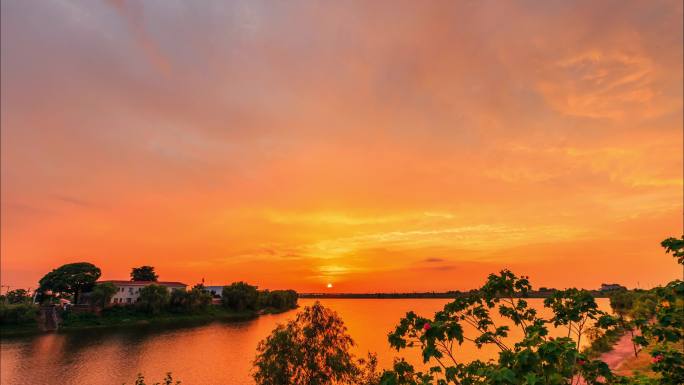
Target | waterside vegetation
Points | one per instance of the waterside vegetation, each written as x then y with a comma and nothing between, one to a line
156,304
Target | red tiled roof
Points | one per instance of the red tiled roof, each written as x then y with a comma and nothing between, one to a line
143,283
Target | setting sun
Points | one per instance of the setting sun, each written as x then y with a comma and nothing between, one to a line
329,286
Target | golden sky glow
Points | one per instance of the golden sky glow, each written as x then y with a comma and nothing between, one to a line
376,146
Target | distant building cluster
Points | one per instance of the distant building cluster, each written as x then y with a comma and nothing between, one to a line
129,291
611,287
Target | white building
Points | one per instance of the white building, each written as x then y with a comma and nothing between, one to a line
215,291
129,291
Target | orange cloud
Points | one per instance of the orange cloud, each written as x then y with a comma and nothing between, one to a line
612,85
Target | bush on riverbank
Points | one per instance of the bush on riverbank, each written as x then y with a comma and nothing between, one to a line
240,296
194,301
153,299
16,296
278,300
18,314
131,315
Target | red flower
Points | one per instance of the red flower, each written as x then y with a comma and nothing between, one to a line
581,362
657,358
426,327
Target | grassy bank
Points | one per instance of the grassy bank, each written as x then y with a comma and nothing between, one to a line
123,316
639,365
129,317
18,319
642,364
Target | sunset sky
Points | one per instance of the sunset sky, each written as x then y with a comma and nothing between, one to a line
374,145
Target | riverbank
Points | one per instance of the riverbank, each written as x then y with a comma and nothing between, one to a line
622,360
124,318
616,349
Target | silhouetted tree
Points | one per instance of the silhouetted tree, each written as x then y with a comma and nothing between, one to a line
17,296
72,279
143,273
675,247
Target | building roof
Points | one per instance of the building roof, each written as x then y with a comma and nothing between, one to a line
143,283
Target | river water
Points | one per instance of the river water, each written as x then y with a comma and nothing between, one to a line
210,354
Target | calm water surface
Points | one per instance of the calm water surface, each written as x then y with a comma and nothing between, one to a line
212,354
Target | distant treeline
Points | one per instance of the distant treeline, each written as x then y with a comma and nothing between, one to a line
448,294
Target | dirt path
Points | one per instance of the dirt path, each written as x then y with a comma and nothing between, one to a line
622,351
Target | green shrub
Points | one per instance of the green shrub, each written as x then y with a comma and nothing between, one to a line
240,296
18,296
196,300
278,299
314,348
70,318
18,314
120,311
102,294
153,299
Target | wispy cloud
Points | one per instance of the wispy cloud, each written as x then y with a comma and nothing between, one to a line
433,260
133,14
74,201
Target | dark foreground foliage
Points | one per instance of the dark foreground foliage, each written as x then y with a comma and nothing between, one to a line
314,348
658,316
536,358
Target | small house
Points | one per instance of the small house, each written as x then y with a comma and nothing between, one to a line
129,291
611,287
216,291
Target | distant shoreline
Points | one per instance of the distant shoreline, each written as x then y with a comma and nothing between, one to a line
118,323
427,295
